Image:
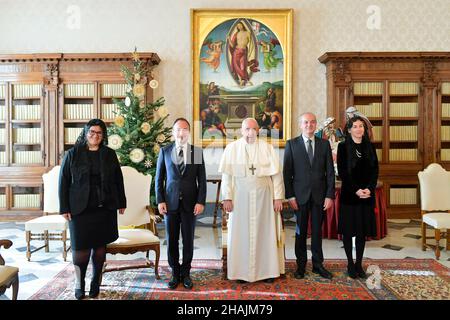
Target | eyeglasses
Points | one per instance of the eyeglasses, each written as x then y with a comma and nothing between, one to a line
93,132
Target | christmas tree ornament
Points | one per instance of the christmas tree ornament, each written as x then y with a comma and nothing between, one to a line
160,138
115,141
139,90
163,112
148,163
127,101
153,84
119,121
137,155
145,127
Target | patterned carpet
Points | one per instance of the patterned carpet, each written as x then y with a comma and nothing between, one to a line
400,280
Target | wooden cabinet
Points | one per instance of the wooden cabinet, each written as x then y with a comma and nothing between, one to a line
45,100
406,96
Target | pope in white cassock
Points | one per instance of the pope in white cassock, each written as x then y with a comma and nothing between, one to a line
253,191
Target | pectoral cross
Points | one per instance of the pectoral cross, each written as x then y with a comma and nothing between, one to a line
252,169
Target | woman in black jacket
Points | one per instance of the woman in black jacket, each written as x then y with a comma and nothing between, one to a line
358,169
90,192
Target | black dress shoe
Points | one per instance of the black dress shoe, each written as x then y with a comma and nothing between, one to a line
94,290
79,294
360,272
269,280
187,282
299,274
173,283
351,271
322,272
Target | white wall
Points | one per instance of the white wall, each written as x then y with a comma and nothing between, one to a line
163,26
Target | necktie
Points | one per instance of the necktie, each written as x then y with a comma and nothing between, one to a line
310,152
181,165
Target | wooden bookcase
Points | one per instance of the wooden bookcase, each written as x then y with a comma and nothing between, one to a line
45,99
406,96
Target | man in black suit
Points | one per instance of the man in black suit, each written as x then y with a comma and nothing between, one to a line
309,184
181,193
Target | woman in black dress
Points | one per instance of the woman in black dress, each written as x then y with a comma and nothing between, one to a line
358,169
91,191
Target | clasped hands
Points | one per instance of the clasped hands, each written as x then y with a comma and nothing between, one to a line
363,193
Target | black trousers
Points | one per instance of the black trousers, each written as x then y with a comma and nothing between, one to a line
176,220
316,212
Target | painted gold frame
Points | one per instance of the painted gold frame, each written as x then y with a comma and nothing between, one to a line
203,21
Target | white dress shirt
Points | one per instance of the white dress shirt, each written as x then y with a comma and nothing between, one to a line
305,139
184,146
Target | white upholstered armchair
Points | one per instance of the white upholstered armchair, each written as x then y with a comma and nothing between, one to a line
137,226
51,226
435,204
9,276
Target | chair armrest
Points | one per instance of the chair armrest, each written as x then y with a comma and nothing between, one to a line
5,243
154,219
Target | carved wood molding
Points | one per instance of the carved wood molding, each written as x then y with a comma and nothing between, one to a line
341,71
150,57
429,73
51,74
333,56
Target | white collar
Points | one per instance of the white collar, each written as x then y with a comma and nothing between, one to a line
305,138
184,146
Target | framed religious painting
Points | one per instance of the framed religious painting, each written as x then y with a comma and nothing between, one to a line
242,61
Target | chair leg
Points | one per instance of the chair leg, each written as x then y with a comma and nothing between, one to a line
28,239
64,239
157,263
448,239
224,264
437,235
46,241
15,288
424,236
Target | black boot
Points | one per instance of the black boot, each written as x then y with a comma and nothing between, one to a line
79,294
94,290
360,271
351,271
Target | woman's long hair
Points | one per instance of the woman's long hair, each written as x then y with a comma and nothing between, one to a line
82,139
367,148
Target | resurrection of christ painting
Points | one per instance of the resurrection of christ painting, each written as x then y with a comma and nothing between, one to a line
242,68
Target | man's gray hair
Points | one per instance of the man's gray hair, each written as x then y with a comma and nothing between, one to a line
304,114
248,119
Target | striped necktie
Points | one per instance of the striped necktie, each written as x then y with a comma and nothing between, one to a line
181,164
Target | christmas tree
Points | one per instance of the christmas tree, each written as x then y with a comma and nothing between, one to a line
138,131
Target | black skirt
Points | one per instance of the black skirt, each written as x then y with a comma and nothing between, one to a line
357,220
94,227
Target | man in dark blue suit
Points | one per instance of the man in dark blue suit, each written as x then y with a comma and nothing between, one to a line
181,193
308,174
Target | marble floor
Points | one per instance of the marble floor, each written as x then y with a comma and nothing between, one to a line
402,242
